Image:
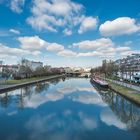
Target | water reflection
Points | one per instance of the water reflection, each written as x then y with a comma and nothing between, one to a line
66,125
25,94
121,113
89,98
4,100
127,112
108,117
67,109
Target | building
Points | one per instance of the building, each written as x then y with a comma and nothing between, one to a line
68,70
129,67
78,69
32,64
87,70
1,62
8,70
48,67
61,69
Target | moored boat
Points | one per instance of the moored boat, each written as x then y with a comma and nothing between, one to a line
99,82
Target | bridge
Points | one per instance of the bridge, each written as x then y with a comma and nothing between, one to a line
82,74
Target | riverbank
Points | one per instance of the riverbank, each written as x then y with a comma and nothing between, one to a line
130,94
13,84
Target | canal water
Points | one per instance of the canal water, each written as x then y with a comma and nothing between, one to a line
70,109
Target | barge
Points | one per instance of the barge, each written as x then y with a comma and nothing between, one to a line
99,82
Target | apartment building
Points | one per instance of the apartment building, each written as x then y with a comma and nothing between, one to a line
129,67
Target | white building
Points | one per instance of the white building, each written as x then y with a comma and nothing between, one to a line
78,69
32,64
129,67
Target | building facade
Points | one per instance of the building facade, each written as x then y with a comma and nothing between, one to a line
8,70
129,67
32,64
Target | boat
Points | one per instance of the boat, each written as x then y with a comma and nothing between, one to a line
100,82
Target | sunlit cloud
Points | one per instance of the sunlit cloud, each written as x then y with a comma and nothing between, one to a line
17,5
119,26
110,119
14,31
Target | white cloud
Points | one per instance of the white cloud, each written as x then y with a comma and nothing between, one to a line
123,49
55,47
44,22
89,98
32,43
110,119
108,52
12,113
119,26
88,23
88,54
94,44
14,31
36,43
103,47
67,53
129,52
17,5
52,14
40,125
88,123
67,32
7,51
36,100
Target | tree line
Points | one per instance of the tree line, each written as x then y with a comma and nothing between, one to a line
25,71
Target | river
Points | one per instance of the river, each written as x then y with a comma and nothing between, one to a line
68,109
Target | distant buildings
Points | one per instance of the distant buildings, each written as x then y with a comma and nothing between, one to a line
88,69
67,70
61,69
8,70
48,67
78,69
31,64
27,68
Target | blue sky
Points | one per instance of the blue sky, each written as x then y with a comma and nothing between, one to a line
68,32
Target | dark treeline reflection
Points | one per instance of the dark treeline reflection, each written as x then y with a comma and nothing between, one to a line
18,95
127,112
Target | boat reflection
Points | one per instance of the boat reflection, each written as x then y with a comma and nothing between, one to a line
127,112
